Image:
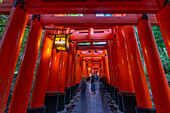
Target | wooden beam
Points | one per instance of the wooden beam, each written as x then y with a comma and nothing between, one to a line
135,7
93,21
103,36
92,55
91,48
143,6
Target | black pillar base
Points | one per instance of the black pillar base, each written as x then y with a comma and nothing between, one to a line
68,95
108,88
72,92
105,84
143,110
119,96
37,110
112,92
61,101
129,102
51,102
77,85
116,90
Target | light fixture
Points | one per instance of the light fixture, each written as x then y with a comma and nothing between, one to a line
61,42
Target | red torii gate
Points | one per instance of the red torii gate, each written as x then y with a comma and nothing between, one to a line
9,49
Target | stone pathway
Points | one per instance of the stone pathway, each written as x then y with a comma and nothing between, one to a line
93,103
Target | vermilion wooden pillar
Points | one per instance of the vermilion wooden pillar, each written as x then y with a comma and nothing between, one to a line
163,17
157,78
52,84
84,70
72,79
127,84
106,80
126,87
110,58
114,84
62,80
73,74
107,70
40,84
114,60
111,71
78,68
68,76
104,71
51,98
26,71
115,52
89,72
144,102
9,49
52,91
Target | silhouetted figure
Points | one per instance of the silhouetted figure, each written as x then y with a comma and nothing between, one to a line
83,84
93,84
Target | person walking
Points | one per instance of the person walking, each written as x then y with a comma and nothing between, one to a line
93,84
83,84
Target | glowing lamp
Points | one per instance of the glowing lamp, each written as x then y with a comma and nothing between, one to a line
61,42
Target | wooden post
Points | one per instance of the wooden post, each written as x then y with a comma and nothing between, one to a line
144,103
157,78
9,48
163,17
68,76
40,84
62,80
52,93
126,87
26,71
73,71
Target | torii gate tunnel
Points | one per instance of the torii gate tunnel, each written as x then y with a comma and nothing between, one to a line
104,46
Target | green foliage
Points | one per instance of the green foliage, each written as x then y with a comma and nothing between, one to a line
3,21
162,50
21,49
1,1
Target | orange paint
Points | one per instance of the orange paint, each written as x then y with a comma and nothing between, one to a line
40,84
157,78
84,70
78,68
25,76
110,58
114,56
107,67
102,69
163,17
63,69
138,74
9,50
73,65
53,83
125,79
69,69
